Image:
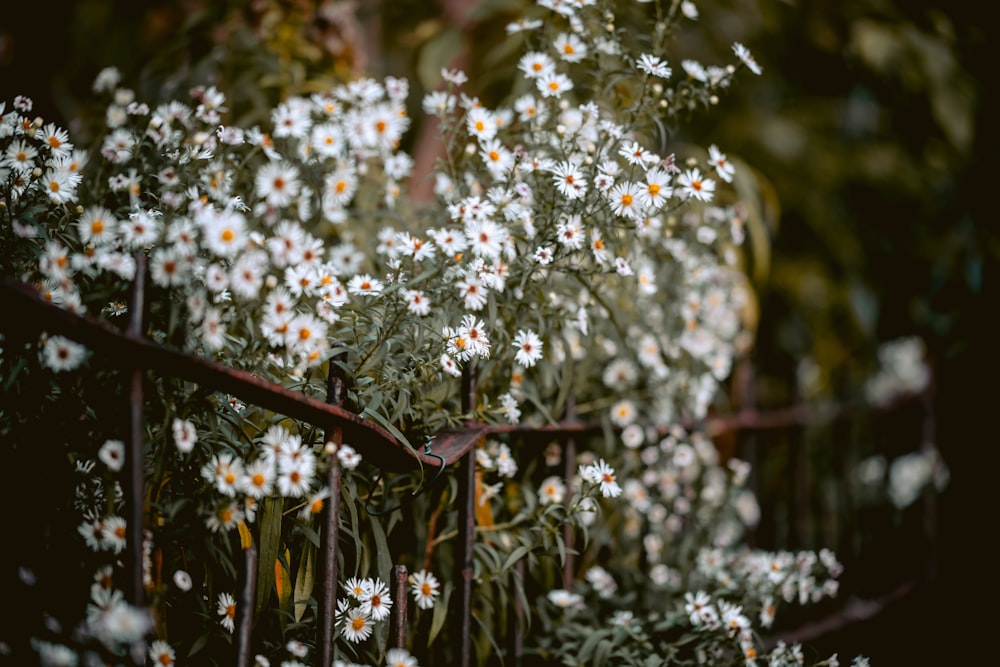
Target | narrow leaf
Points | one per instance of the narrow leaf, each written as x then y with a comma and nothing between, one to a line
270,541
304,581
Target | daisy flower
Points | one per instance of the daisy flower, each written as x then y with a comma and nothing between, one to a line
226,609
414,246
695,70
438,103
529,348
356,587
364,284
553,84
485,238
569,180
182,580
294,480
114,534
696,186
327,139
450,241
416,302
339,187
224,518
481,123
258,480
112,454
349,457
552,490
161,654
398,657
497,158
543,255
97,226
61,186
357,626
536,65
425,588
624,199
278,183
185,435
165,267
61,354
449,366
657,189
623,413
723,167
570,48
564,599
604,475
376,601
653,66
224,232
743,53
472,291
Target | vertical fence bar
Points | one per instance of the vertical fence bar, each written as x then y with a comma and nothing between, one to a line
248,598
464,566
397,629
137,437
134,479
330,536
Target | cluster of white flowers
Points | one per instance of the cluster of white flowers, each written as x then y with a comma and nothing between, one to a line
902,369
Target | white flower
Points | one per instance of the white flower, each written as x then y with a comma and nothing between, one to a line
696,186
425,588
61,354
112,454
654,66
529,347
746,58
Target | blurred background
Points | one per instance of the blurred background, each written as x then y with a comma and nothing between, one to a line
871,151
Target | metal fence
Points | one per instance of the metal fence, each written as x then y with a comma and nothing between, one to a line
755,435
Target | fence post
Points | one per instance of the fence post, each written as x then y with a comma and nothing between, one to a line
397,638
328,541
248,599
137,437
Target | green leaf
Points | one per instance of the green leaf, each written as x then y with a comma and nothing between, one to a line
304,581
270,542
396,433
383,559
440,612
515,555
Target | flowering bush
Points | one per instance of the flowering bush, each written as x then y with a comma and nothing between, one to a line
582,263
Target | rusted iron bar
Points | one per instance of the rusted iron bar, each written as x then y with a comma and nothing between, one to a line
397,629
244,610
464,565
134,460
330,537
855,611
126,350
